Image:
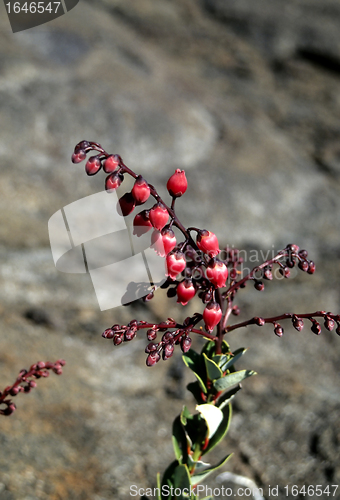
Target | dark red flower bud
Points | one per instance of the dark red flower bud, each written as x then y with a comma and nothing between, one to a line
311,267
177,184
129,334
259,321
111,163
186,344
168,351
236,310
259,286
113,181
278,330
207,242
140,190
297,323
152,359
217,273
126,204
151,348
303,265
303,254
79,156
163,242
185,291
151,334
108,333
267,274
285,272
42,364
233,274
293,248
93,165
117,339
329,323
82,145
316,328
159,216
141,223
175,264
212,315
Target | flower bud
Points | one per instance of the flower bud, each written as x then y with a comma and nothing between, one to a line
78,157
329,323
141,223
207,242
175,264
303,265
278,330
177,184
108,333
217,273
297,323
111,163
168,351
113,181
185,291
117,339
186,344
259,321
93,165
316,328
284,271
152,359
311,267
163,242
259,286
126,204
140,190
212,315
151,334
159,216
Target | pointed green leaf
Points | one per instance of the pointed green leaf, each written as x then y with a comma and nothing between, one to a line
227,397
221,431
233,378
202,475
194,388
194,361
182,478
167,479
237,354
213,370
179,440
209,348
213,417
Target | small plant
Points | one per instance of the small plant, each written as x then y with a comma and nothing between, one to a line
196,265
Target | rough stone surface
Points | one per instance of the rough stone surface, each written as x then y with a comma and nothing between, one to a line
245,96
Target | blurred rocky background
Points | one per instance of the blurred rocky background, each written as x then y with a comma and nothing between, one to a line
245,96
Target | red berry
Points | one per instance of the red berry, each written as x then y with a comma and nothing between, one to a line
175,264
141,223
79,156
164,241
93,165
212,315
126,204
177,184
111,163
207,242
159,216
113,181
217,273
140,190
185,291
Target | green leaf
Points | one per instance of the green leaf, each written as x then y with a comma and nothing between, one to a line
202,475
237,354
227,397
209,348
233,378
182,478
221,431
213,417
167,479
179,440
213,370
194,388
194,361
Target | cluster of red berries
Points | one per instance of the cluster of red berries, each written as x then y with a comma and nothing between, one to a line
25,382
195,266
